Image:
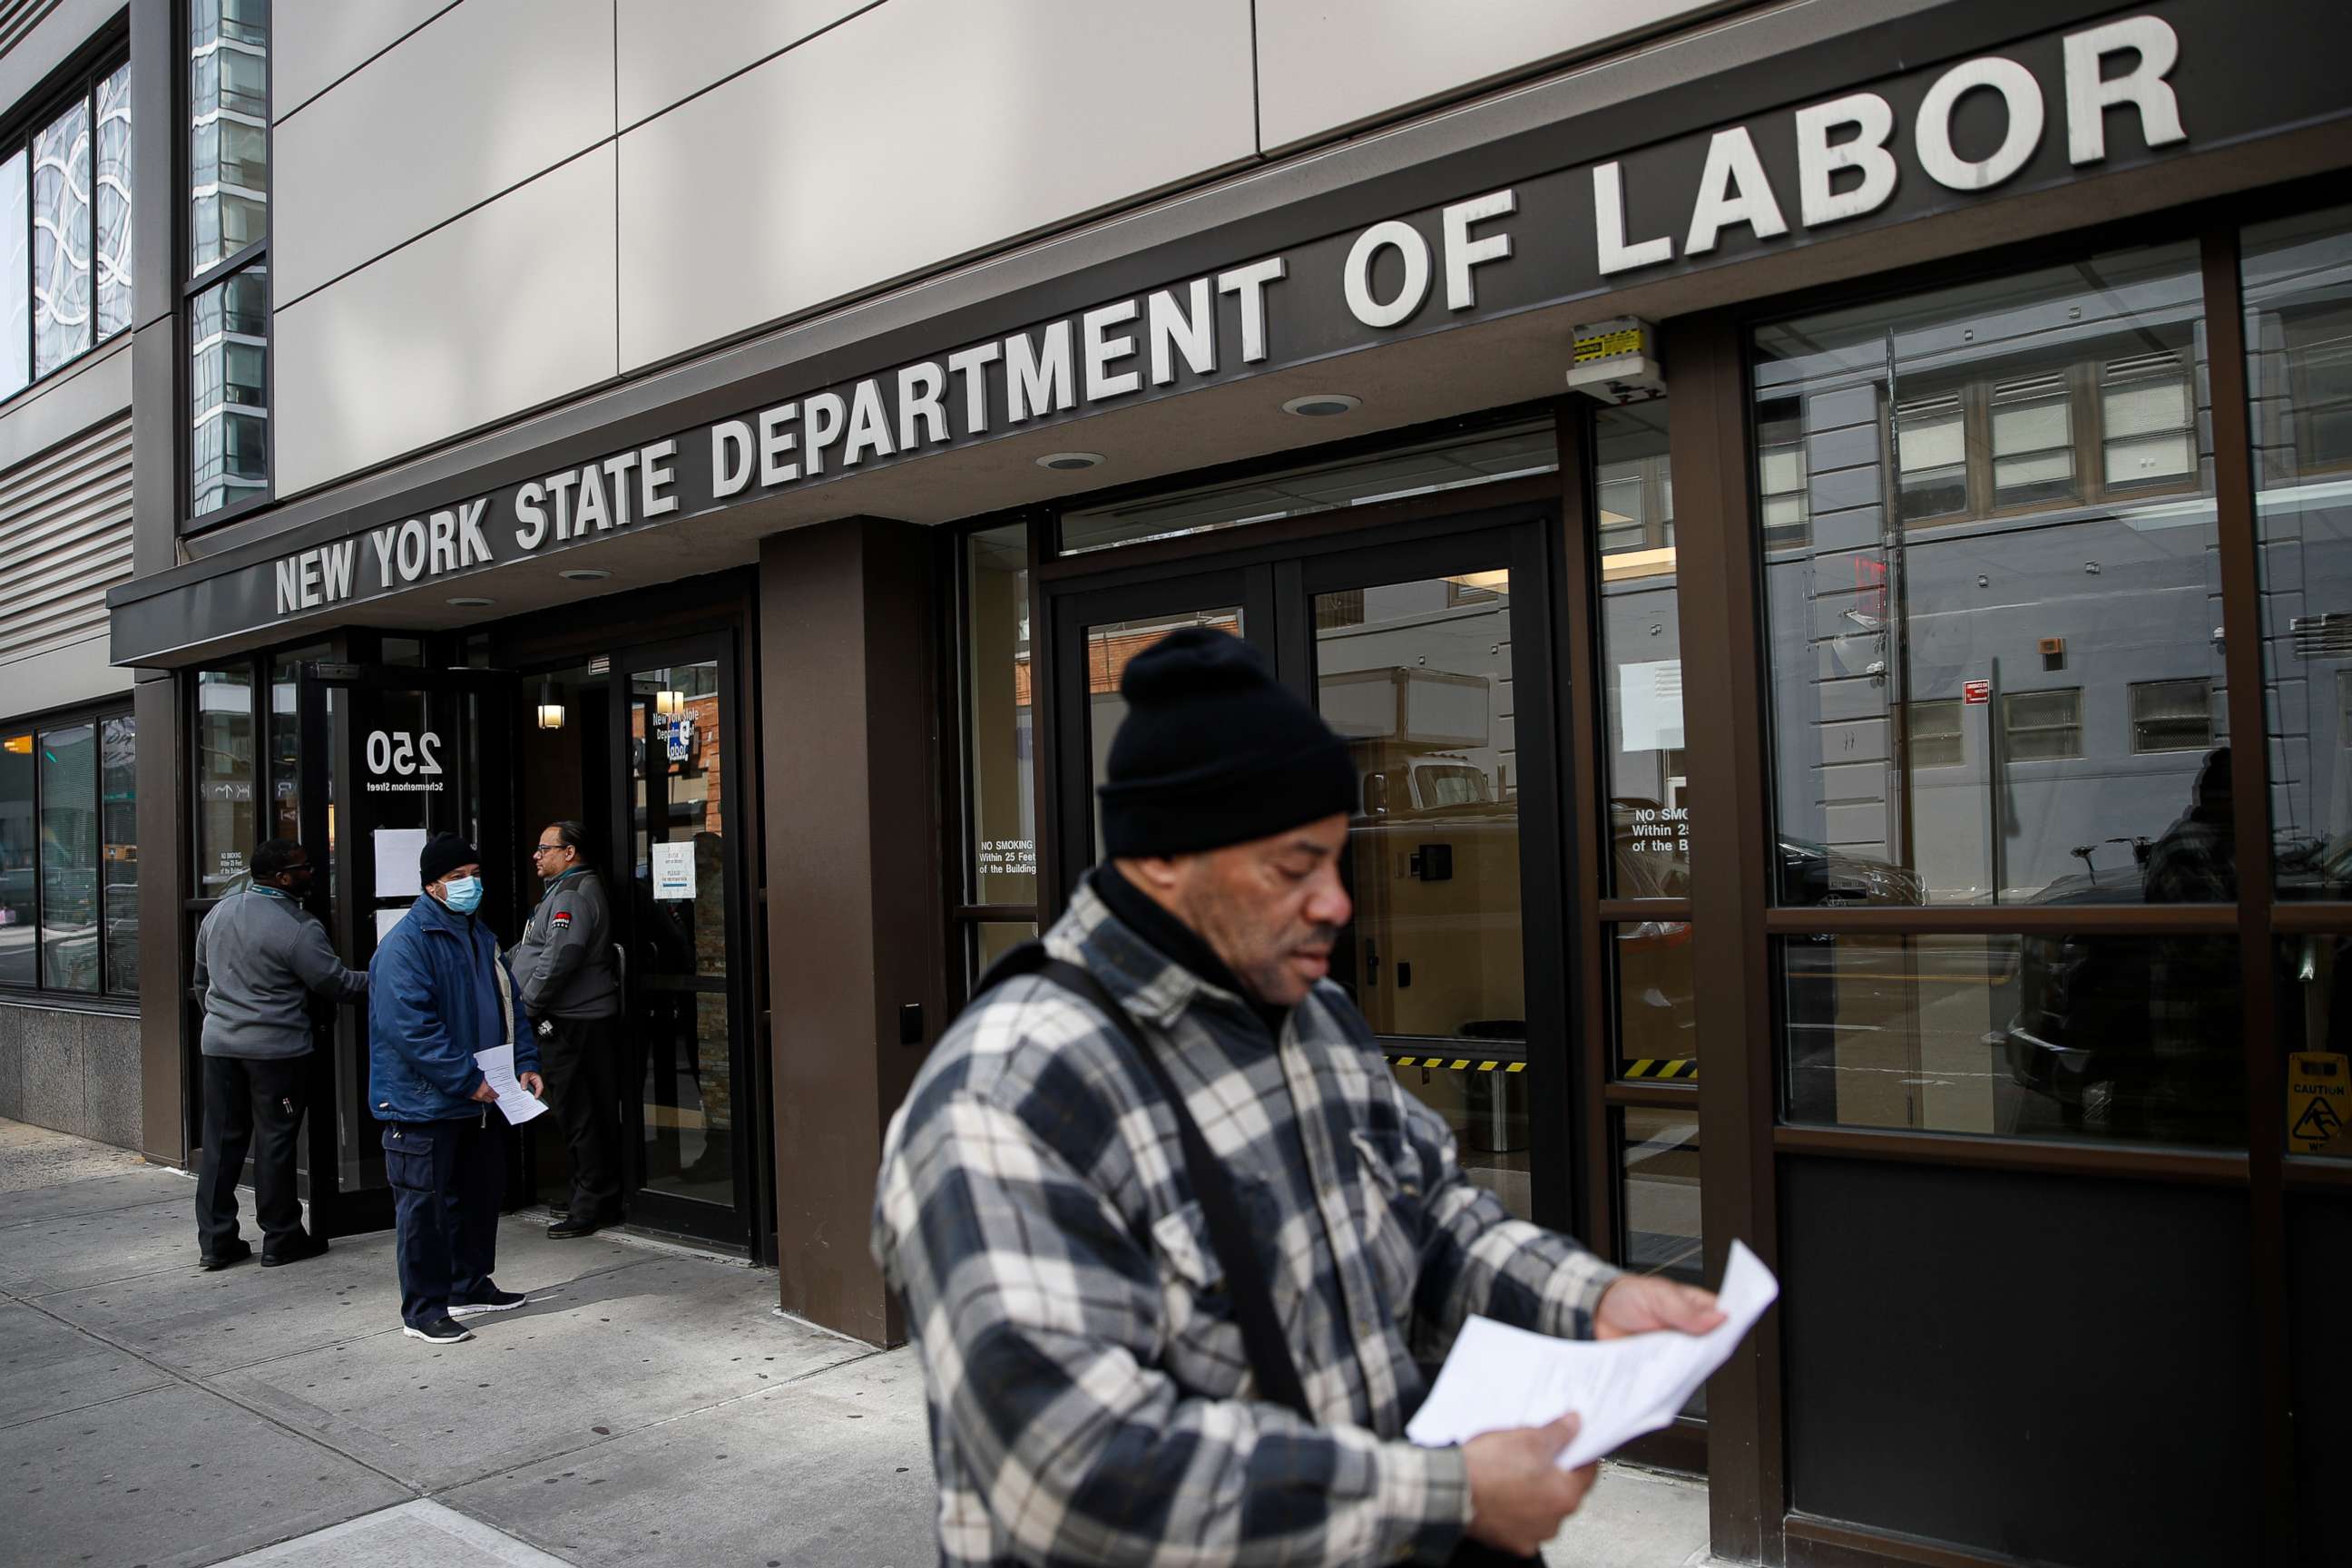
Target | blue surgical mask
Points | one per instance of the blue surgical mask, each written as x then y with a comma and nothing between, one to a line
463,894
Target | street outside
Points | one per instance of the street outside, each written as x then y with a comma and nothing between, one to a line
648,1406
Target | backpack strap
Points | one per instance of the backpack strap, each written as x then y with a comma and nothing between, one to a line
1212,1185
1229,1233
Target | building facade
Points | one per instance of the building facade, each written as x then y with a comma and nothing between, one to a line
1822,524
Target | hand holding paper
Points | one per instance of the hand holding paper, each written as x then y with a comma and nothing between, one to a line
1498,1377
518,1103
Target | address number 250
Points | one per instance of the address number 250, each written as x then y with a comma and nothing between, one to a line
398,751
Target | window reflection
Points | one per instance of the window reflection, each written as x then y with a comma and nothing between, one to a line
61,240
999,714
1991,586
225,767
1658,1157
228,391
119,814
1416,678
2123,1037
228,127
1110,646
69,857
20,863
1641,653
2298,293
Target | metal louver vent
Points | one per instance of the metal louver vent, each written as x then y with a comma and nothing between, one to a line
64,539
2323,637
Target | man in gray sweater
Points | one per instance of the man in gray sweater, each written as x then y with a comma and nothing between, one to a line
569,978
260,957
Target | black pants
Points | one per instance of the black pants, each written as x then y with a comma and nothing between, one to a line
577,1061
256,1104
447,1179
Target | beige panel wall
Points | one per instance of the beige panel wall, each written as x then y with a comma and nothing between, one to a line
1323,68
914,132
478,101
312,42
669,50
509,307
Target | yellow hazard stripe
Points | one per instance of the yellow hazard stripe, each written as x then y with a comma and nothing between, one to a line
1460,1064
1657,1067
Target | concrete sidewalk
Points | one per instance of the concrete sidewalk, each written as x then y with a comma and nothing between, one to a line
648,1406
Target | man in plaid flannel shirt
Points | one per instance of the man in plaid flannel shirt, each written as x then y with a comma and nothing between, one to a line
1090,1398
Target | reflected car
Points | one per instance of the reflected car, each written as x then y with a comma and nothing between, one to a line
2088,1034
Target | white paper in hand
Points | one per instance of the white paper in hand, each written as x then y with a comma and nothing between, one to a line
1498,1377
518,1103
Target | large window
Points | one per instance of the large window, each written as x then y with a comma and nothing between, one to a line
70,855
65,229
228,266
1995,671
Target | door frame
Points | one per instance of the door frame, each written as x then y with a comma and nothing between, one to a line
331,751
1272,571
749,1145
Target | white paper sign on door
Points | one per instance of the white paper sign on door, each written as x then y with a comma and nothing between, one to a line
673,871
397,850
1650,705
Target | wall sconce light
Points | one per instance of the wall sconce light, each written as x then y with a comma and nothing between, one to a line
669,704
550,712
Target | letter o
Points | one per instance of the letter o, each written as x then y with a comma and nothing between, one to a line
410,550
1933,135
1408,244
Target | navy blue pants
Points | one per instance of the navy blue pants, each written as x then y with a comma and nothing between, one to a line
447,1180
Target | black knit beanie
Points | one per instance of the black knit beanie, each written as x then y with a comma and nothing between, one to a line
444,854
1214,750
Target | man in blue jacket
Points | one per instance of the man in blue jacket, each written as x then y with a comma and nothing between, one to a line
439,993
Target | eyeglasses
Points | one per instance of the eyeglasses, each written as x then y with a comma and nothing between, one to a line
538,849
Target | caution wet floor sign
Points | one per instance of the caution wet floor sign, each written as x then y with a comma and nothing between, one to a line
2316,1084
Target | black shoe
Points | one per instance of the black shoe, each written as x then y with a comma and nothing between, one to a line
572,1226
439,1331
490,1300
225,1259
294,1251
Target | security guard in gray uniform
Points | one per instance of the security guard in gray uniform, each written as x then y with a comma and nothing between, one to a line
569,976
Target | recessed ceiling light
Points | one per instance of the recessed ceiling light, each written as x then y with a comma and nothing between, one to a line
1322,405
584,574
468,603
1066,462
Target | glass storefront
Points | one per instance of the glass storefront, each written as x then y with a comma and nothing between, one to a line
1995,672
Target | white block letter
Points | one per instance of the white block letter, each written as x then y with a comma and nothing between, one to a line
1356,278
1608,223
1732,190
923,404
826,412
1172,329
1101,350
1037,379
2143,87
1462,253
869,427
1248,283
774,442
2018,90
730,456
654,476
973,365
1819,161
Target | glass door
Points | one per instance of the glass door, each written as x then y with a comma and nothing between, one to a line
679,919
1097,633
388,758
1405,638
